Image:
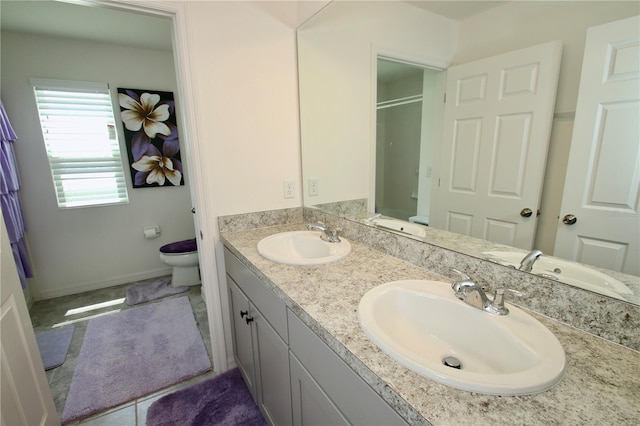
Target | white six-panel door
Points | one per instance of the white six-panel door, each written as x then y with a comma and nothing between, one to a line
26,398
602,185
497,122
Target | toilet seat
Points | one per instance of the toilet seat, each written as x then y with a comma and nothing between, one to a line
182,256
180,247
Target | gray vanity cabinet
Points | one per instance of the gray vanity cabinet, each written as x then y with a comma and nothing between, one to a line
311,405
242,338
272,370
348,399
296,379
261,352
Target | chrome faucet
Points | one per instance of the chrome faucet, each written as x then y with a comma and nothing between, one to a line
473,294
328,235
371,220
527,262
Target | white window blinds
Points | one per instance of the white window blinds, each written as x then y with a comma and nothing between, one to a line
81,141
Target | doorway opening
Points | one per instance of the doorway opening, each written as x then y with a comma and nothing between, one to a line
409,102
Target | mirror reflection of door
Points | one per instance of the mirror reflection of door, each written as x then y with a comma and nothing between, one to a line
409,98
498,114
602,184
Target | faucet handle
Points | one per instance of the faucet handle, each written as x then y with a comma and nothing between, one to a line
497,305
335,237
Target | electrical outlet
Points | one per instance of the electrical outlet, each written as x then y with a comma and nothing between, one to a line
289,189
314,187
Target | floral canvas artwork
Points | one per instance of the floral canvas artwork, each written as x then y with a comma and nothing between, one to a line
151,136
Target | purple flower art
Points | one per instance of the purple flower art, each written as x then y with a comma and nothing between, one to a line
151,135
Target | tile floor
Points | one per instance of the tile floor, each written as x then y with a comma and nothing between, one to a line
47,313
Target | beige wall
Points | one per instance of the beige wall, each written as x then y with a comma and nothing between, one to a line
80,249
243,64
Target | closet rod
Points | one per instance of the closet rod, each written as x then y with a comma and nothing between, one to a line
399,101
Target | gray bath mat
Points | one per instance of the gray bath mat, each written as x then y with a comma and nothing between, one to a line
152,290
54,345
132,353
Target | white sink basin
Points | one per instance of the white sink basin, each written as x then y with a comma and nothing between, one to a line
567,272
420,323
302,248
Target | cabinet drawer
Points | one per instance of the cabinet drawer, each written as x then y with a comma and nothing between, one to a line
348,392
270,305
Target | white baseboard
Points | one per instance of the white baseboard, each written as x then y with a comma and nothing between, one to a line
231,363
96,285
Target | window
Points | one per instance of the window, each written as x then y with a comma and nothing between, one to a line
81,141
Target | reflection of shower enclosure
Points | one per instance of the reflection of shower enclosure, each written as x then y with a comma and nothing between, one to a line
397,156
403,149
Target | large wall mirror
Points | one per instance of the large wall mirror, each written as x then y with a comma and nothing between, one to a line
378,146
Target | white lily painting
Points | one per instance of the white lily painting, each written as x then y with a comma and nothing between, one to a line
151,136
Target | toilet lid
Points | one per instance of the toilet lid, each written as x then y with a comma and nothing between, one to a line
184,246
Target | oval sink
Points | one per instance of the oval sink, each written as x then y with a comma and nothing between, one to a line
423,326
302,248
567,272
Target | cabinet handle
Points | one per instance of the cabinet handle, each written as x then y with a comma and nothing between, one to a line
249,320
243,313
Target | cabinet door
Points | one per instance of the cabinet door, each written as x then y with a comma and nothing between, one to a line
242,340
272,371
311,406
355,399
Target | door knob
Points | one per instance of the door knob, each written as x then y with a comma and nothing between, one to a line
526,212
193,210
569,219
249,320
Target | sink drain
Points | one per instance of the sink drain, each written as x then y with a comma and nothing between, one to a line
452,362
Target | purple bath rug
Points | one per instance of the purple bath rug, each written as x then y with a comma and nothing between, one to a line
132,353
152,290
221,400
54,345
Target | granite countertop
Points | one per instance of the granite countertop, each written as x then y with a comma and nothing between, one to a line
601,384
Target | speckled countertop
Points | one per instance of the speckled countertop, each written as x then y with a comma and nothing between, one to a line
601,385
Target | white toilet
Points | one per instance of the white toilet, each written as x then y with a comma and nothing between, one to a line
182,256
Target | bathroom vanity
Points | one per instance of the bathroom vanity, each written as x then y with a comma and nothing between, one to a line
305,358
285,365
